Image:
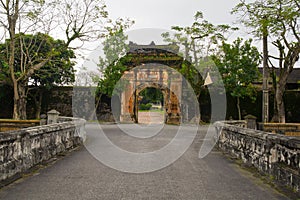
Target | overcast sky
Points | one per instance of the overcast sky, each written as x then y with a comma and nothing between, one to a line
166,13
157,16
152,17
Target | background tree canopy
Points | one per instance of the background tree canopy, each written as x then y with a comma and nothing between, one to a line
77,21
31,50
238,65
278,22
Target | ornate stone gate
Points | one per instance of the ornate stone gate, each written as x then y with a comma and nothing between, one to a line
152,66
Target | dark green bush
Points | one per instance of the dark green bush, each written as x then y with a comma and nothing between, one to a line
145,106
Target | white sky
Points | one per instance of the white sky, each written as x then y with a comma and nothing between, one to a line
167,13
163,14
157,16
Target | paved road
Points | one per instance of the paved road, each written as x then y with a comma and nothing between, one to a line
80,176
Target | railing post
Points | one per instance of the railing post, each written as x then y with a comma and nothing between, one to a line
52,116
251,121
43,120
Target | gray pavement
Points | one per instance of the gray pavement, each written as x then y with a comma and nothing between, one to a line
80,176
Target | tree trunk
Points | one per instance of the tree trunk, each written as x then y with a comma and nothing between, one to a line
19,111
12,21
16,100
238,108
279,99
16,114
199,106
265,99
275,117
38,103
93,115
21,102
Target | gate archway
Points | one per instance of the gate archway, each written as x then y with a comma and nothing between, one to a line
171,106
155,66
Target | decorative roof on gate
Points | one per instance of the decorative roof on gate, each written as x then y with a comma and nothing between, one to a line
152,53
136,48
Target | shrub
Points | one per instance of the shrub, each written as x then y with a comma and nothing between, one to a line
145,106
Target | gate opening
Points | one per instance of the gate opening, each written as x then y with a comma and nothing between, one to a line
151,106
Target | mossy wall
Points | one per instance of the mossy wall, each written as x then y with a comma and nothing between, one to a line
60,99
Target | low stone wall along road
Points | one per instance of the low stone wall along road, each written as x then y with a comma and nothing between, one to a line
79,175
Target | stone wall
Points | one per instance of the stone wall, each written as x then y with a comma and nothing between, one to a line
277,156
78,102
23,149
60,99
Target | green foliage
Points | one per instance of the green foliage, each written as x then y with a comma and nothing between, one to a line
238,65
151,95
277,15
114,48
59,70
4,72
145,106
30,50
199,41
112,65
112,75
278,21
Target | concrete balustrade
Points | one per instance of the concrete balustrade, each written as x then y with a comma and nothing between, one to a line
275,155
23,149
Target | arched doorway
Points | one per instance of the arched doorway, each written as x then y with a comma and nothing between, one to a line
170,107
151,106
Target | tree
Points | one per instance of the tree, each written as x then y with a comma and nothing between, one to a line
237,64
280,18
13,13
112,67
199,41
151,95
86,78
29,50
80,20
58,71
